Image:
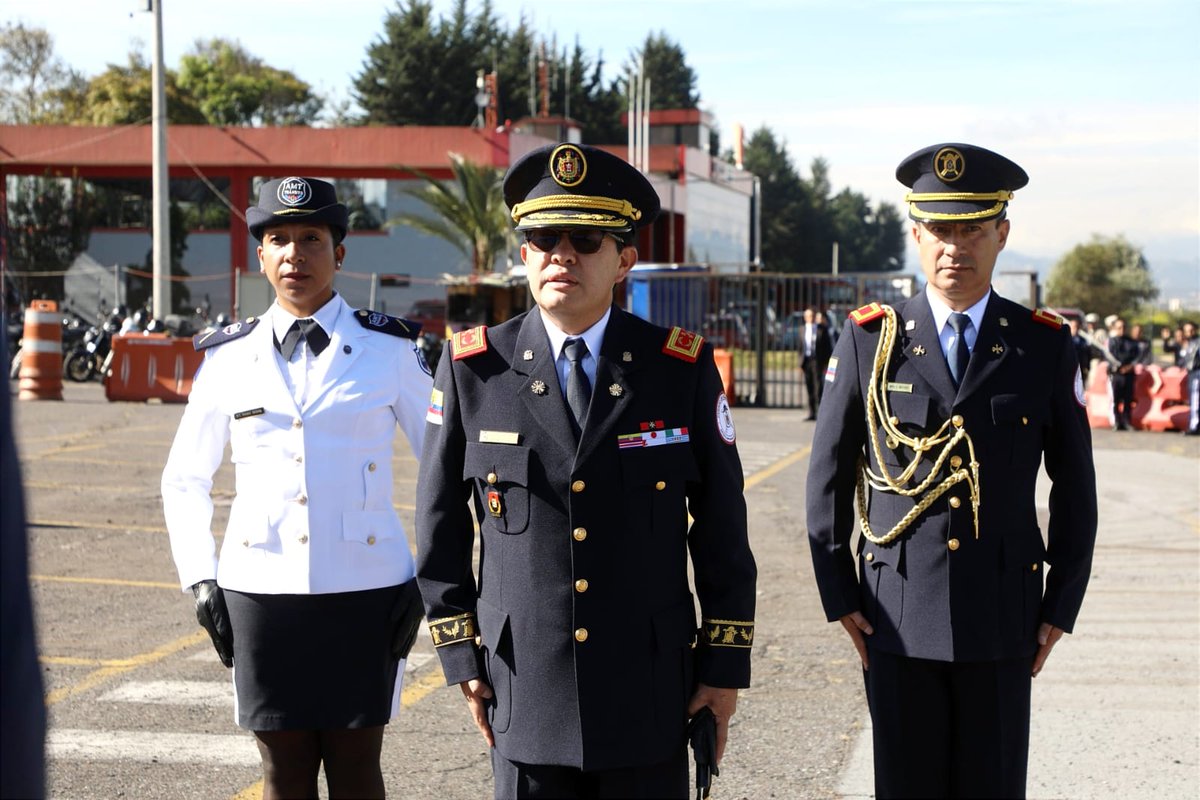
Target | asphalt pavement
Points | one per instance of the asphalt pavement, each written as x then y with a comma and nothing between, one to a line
140,707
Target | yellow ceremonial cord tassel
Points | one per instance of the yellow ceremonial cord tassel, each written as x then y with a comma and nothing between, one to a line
879,418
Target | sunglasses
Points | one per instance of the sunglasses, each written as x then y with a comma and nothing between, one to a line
585,242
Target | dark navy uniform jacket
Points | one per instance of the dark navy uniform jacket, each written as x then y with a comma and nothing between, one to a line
582,619
937,591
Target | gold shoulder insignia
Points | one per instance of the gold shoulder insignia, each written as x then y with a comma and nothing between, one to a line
683,344
865,314
470,342
452,630
1047,318
728,633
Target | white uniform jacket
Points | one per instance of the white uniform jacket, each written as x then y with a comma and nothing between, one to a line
313,508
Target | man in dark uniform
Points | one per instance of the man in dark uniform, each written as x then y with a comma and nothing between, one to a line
937,414
584,438
1124,351
815,350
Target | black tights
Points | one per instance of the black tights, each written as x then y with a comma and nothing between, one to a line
291,761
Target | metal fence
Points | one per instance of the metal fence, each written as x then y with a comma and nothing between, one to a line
758,317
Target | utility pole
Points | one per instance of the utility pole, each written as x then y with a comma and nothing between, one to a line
161,218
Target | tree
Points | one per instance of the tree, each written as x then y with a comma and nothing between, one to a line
123,95
30,73
471,212
672,81
1105,276
232,87
49,222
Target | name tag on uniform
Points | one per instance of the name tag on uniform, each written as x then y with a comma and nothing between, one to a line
253,412
499,437
900,387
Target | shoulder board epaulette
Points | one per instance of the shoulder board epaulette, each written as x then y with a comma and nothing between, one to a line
683,344
865,314
235,330
377,321
1047,318
470,342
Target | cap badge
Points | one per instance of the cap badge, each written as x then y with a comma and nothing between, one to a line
294,192
949,164
568,166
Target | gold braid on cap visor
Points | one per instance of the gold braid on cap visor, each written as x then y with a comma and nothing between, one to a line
565,202
879,418
1001,197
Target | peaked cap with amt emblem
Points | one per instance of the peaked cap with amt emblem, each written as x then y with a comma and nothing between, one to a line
958,183
576,185
286,200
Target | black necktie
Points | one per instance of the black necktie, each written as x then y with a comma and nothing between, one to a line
959,355
308,329
579,388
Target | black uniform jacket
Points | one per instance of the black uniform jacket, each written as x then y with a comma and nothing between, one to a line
937,591
582,619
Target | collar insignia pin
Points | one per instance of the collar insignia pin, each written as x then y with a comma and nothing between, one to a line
615,390
1004,322
919,350
997,349
627,356
538,388
910,324
527,355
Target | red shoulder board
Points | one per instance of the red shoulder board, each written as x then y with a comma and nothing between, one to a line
683,344
469,342
870,311
1047,318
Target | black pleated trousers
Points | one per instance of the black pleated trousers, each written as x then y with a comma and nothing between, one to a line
949,729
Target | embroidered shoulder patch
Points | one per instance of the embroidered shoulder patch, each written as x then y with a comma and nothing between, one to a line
377,321
236,330
469,342
683,344
865,314
1047,318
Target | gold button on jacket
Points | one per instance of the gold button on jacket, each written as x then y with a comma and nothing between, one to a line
952,544
581,634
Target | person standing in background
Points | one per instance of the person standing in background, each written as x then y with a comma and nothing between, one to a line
815,349
1122,377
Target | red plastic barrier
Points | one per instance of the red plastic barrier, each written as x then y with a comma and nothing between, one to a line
146,366
1159,395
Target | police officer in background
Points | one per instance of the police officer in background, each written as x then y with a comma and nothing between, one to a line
583,437
1122,376
312,598
936,416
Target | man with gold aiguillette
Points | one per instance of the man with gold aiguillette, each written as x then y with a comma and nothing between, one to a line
935,419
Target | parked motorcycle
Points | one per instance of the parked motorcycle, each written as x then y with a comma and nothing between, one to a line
89,359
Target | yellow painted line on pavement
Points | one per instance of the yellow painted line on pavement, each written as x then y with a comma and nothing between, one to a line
254,792
68,661
105,581
104,526
105,674
777,467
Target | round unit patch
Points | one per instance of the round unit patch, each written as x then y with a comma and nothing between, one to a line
725,420
1079,395
568,167
294,192
949,164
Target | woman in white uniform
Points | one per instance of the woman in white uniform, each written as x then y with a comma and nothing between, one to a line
311,600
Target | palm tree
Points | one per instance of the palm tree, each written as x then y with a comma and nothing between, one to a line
471,211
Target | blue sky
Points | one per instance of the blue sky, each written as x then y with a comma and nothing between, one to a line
1098,100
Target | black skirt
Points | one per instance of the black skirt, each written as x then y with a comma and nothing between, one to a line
313,662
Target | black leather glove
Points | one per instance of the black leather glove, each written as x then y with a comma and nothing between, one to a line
214,618
406,619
